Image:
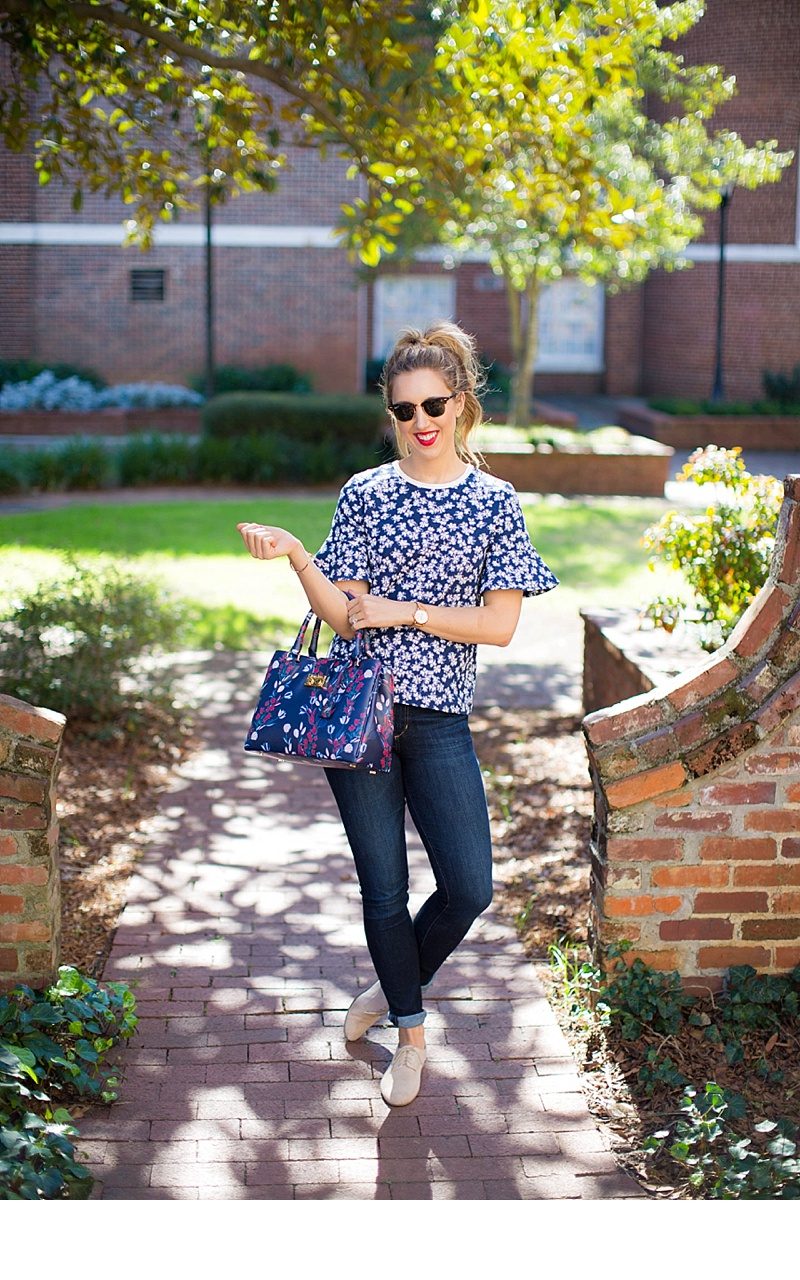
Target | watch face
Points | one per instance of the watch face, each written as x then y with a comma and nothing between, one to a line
421,617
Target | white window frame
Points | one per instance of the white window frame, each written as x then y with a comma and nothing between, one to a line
389,315
562,294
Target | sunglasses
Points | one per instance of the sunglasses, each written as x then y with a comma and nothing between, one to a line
433,408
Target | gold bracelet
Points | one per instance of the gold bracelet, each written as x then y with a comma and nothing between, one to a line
305,566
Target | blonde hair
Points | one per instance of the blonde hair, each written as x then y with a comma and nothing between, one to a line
448,350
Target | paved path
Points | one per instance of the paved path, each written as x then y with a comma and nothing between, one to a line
242,935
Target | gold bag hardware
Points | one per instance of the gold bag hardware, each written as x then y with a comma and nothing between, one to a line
316,681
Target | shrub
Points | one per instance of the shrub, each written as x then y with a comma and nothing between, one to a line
79,464
346,419
52,1048
775,404
372,373
498,377
26,370
75,643
148,395
247,460
641,998
270,377
723,552
43,469
721,1164
46,391
12,474
77,395
783,387
155,459
274,458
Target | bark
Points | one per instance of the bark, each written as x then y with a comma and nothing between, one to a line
524,317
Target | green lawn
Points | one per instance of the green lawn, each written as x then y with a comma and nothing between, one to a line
194,549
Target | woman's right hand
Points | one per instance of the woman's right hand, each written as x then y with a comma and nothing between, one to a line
267,542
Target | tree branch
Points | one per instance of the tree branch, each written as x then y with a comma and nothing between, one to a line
257,68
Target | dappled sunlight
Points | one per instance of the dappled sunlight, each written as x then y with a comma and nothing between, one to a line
244,943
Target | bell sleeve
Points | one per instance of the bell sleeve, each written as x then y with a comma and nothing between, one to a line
512,561
343,555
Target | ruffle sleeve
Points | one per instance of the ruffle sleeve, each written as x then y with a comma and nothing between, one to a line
512,561
343,555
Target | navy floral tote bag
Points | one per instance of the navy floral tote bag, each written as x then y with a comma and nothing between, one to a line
328,711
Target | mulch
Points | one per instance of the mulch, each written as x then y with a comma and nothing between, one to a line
108,786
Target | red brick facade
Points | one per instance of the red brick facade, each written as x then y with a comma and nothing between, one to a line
306,304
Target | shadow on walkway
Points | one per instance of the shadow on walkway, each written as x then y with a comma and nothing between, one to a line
242,938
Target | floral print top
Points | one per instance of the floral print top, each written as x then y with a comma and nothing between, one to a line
440,544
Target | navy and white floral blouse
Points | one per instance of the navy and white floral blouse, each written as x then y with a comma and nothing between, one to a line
441,544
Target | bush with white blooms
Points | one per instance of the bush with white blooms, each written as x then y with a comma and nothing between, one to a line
75,395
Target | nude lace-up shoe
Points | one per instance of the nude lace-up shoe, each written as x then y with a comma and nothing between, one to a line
401,1080
367,1009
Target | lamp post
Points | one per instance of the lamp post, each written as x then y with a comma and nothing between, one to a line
725,193
209,281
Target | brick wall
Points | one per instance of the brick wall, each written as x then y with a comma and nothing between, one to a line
70,303
621,659
759,43
696,838
30,898
295,305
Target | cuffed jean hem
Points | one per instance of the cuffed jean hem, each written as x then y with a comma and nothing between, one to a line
407,1019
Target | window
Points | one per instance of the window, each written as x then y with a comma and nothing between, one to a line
488,282
147,285
570,328
402,300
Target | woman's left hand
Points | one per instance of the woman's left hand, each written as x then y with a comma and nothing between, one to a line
365,611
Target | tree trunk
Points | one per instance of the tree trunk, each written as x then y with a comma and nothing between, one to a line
524,317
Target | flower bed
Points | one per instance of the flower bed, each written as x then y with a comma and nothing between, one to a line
771,432
607,461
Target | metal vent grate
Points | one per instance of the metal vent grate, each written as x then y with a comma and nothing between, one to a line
147,285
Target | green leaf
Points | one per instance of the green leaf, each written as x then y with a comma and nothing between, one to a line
781,1147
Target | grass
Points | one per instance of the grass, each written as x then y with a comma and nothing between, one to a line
194,549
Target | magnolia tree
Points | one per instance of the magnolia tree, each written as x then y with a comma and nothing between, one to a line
518,130
577,178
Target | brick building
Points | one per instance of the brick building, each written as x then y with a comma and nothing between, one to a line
285,291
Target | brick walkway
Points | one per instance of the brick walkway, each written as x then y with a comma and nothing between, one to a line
243,940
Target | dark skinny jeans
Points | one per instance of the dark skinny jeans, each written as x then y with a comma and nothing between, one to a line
436,774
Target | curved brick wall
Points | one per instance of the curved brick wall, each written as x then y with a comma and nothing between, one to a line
30,897
696,841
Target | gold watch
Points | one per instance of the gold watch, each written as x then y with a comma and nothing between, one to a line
420,615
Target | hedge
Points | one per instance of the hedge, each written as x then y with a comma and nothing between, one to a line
154,460
312,418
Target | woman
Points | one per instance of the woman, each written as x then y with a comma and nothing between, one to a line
437,558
